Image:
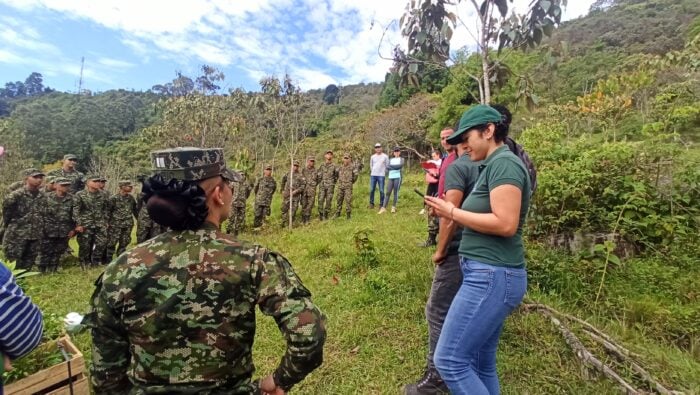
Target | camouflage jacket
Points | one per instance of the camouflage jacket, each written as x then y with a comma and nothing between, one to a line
122,210
91,210
77,178
296,186
347,175
312,177
58,215
23,215
329,174
241,192
264,189
177,314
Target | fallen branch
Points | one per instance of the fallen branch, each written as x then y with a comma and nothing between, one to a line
623,355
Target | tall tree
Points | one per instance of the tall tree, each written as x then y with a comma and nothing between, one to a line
428,27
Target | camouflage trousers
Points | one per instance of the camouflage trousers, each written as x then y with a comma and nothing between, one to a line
236,221
325,200
308,198
285,208
146,230
260,213
23,252
120,238
433,226
52,249
92,244
344,195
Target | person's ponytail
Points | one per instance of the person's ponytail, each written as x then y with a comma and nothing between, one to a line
177,204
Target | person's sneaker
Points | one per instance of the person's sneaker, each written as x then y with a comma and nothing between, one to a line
421,212
429,384
382,210
393,209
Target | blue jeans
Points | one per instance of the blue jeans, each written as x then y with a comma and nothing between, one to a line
392,185
373,181
466,351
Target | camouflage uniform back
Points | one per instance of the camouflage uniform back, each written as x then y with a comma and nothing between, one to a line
291,190
77,178
347,175
58,217
329,176
308,197
236,220
90,210
264,189
23,214
122,210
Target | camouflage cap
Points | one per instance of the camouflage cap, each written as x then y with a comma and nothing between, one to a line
311,158
70,157
31,172
328,151
50,179
125,183
295,163
62,181
102,179
268,167
192,164
93,177
346,156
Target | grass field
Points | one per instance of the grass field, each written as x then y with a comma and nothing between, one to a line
377,335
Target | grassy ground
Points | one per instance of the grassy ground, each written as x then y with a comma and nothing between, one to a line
377,333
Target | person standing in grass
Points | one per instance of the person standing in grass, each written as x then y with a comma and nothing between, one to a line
122,211
264,189
236,221
329,176
308,197
394,179
59,226
377,167
347,175
90,212
176,314
492,256
23,213
21,323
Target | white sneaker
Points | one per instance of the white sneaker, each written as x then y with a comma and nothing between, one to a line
393,209
382,210
421,212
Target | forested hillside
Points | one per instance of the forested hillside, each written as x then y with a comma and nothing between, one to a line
608,108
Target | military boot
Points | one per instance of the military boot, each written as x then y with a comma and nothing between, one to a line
430,384
429,242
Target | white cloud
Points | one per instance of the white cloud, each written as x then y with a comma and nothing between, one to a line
318,41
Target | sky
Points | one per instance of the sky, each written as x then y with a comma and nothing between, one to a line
130,44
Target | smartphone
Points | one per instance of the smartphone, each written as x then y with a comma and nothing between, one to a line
416,190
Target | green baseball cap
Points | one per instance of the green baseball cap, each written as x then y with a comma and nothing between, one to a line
62,181
70,157
93,177
477,115
125,183
192,164
31,172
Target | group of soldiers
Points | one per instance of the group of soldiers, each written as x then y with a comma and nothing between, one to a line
39,221
299,188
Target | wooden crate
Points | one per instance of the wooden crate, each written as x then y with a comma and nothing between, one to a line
55,380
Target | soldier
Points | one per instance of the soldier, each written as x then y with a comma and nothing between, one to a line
122,210
68,171
23,212
264,189
347,175
59,225
329,176
308,197
292,190
236,222
90,212
49,185
176,314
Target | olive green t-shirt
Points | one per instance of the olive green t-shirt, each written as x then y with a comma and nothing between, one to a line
500,168
461,175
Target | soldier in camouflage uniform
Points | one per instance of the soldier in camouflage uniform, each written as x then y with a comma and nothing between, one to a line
292,190
122,210
23,212
59,225
308,197
146,229
329,176
68,171
264,189
177,314
347,175
241,192
49,185
11,188
90,212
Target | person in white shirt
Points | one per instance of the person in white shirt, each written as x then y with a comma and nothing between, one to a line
377,166
394,181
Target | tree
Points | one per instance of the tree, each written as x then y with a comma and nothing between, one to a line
206,83
34,84
331,94
426,25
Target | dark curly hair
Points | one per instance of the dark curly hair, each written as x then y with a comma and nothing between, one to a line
177,204
501,131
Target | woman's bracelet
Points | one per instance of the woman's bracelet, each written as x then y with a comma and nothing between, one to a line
452,213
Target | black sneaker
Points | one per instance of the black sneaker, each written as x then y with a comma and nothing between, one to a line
429,384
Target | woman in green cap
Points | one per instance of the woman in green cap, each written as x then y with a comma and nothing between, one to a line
492,257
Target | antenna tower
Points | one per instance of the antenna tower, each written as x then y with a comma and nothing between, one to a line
80,82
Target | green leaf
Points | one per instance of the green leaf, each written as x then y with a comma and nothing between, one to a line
614,259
